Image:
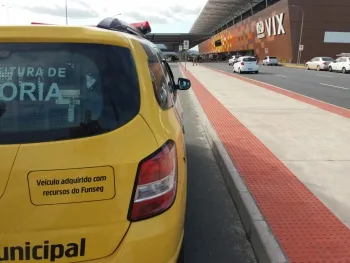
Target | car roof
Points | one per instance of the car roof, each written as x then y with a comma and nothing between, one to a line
57,34
109,31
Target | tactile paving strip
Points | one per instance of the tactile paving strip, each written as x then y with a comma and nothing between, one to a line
307,231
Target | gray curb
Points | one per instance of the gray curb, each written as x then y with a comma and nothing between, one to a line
265,245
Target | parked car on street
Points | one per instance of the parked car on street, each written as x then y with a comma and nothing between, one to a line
97,107
246,64
341,64
319,63
232,60
268,60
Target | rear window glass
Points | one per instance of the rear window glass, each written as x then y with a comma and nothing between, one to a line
327,59
249,59
55,91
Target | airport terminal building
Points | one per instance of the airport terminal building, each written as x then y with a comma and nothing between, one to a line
274,27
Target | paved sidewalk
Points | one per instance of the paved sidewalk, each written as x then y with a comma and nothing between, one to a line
294,156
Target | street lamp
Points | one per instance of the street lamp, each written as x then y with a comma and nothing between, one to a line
7,12
66,8
301,31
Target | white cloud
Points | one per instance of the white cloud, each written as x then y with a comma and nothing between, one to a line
164,16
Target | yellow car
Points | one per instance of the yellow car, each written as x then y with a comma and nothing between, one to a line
92,154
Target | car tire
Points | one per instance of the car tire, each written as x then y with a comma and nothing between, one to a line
343,70
318,68
256,72
330,69
307,67
239,71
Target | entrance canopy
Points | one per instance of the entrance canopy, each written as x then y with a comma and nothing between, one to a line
172,41
217,13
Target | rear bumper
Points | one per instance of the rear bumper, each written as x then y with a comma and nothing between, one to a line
158,239
250,69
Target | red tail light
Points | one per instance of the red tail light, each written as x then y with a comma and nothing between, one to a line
324,63
156,183
242,63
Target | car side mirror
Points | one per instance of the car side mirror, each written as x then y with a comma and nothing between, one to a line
183,84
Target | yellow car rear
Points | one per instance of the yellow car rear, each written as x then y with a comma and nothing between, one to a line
92,167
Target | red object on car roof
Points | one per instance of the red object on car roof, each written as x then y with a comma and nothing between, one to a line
144,27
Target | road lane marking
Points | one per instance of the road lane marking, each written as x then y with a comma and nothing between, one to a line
281,76
324,76
333,86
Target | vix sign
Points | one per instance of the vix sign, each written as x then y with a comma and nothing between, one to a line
271,26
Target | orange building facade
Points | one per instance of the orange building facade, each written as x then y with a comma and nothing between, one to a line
275,31
274,37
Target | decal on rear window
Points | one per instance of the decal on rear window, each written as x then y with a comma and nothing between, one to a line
64,91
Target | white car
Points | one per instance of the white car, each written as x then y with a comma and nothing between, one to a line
341,64
246,64
232,60
270,61
319,63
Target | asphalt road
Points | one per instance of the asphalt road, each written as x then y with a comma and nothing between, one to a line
330,87
213,230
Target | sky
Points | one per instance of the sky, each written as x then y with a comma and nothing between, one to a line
165,16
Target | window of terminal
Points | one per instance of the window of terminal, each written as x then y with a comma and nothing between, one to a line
218,43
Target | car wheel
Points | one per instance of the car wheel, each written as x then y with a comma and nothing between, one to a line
318,68
343,70
239,71
256,72
307,67
330,69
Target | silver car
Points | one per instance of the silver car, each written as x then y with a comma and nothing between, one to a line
319,63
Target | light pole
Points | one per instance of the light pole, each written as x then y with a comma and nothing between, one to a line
301,31
7,12
66,7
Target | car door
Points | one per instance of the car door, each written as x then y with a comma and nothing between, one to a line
342,63
315,63
309,63
264,61
237,63
336,65
347,63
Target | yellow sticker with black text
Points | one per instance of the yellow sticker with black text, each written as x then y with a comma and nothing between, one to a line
71,185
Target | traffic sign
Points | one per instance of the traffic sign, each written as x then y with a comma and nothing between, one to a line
301,48
180,47
186,44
